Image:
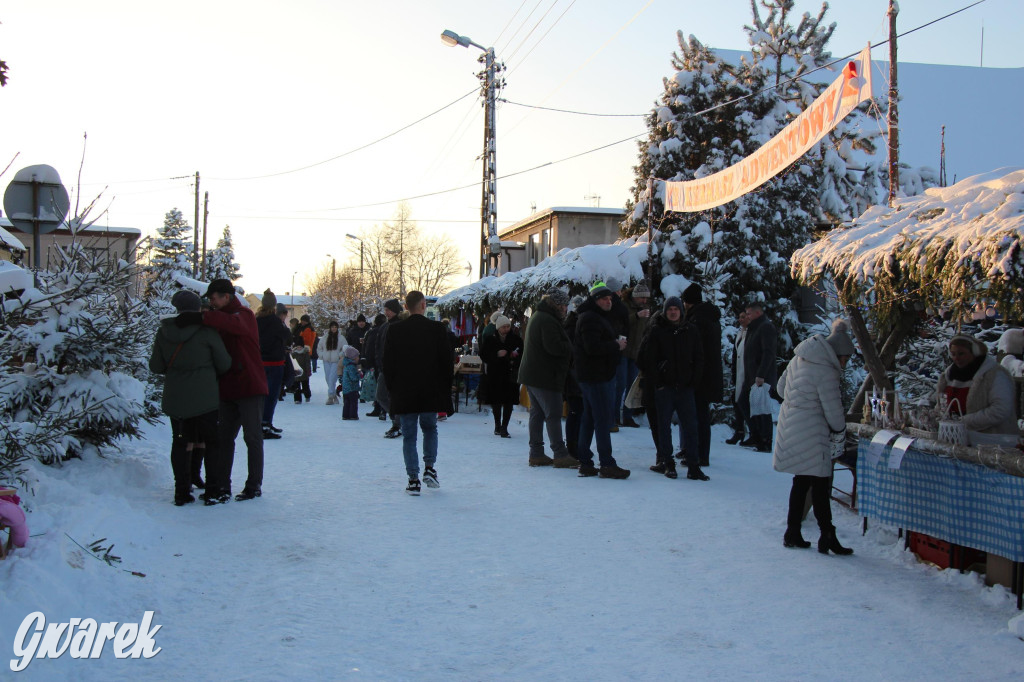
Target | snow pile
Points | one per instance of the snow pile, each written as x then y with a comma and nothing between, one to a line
575,268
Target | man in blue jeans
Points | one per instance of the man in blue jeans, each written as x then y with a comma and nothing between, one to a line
596,351
418,366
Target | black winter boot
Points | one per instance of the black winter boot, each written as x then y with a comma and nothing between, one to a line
828,542
793,538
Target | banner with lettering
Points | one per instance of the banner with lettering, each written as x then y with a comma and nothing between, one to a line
840,98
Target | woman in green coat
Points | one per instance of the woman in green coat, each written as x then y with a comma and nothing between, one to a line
191,356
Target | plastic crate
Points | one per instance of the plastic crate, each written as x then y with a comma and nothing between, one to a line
943,554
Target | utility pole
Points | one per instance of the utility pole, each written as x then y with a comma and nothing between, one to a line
206,216
490,248
195,230
894,116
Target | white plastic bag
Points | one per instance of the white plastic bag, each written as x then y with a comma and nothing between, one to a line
760,400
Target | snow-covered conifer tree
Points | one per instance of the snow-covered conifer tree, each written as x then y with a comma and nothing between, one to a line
171,255
220,263
74,376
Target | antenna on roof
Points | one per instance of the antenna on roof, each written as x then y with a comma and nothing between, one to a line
595,199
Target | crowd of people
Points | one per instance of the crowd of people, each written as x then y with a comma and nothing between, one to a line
602,360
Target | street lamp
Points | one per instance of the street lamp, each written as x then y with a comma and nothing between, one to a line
352,236
332,267
490,245
293,286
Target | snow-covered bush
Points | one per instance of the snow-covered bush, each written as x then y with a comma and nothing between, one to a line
73,361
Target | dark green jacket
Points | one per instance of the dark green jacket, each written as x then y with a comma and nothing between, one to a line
190,387
546,350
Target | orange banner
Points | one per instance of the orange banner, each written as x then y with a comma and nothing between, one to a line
840,98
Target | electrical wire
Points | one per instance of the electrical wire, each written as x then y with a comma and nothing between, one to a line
525,19
527,55
527,36
567,111
351,151
511,19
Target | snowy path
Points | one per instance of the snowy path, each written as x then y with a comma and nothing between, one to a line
506,572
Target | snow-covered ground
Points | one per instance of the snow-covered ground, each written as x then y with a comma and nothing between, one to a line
506,572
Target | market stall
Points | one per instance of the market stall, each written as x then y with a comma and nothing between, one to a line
951,249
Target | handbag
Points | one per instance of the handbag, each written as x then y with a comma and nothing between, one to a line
837,444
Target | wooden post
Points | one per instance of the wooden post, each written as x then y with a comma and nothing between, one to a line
867,347
195,231
894,116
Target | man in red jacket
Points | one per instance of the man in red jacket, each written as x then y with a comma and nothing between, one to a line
242,389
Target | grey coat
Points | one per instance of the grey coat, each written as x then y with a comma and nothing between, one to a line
812,408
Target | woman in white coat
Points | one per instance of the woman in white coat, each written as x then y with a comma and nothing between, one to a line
812,418
978,388
330,353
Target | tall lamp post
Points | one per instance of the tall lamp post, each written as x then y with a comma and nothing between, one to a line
293,286
490,245
332,267
352,236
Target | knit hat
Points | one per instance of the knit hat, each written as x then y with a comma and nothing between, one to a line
351,352
693,294
185,301
600,290
576,302
393,305
614,284
361,318
269,301
494,316
641,291
556,297
840,339
379,319
672,302
220,286
501,321
281,309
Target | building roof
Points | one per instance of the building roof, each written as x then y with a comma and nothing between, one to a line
544,213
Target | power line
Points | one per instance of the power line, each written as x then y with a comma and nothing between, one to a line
351,151
526,19
511,19
567,111
527,55
527,36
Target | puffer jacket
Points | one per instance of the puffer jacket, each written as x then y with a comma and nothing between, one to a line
192,357
332,356
991,400
812,409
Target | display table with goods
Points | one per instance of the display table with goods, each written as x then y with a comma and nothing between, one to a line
468,370
954,501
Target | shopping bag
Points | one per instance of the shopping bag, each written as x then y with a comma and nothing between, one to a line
760,400
634,397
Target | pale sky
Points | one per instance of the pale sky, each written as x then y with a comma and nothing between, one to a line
257,88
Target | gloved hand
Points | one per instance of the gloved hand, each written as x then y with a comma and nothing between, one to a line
188,319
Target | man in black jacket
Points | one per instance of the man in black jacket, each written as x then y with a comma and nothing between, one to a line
596,350
707,318
672,357
759,368
418,367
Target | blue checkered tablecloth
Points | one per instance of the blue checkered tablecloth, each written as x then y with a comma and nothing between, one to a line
959,502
